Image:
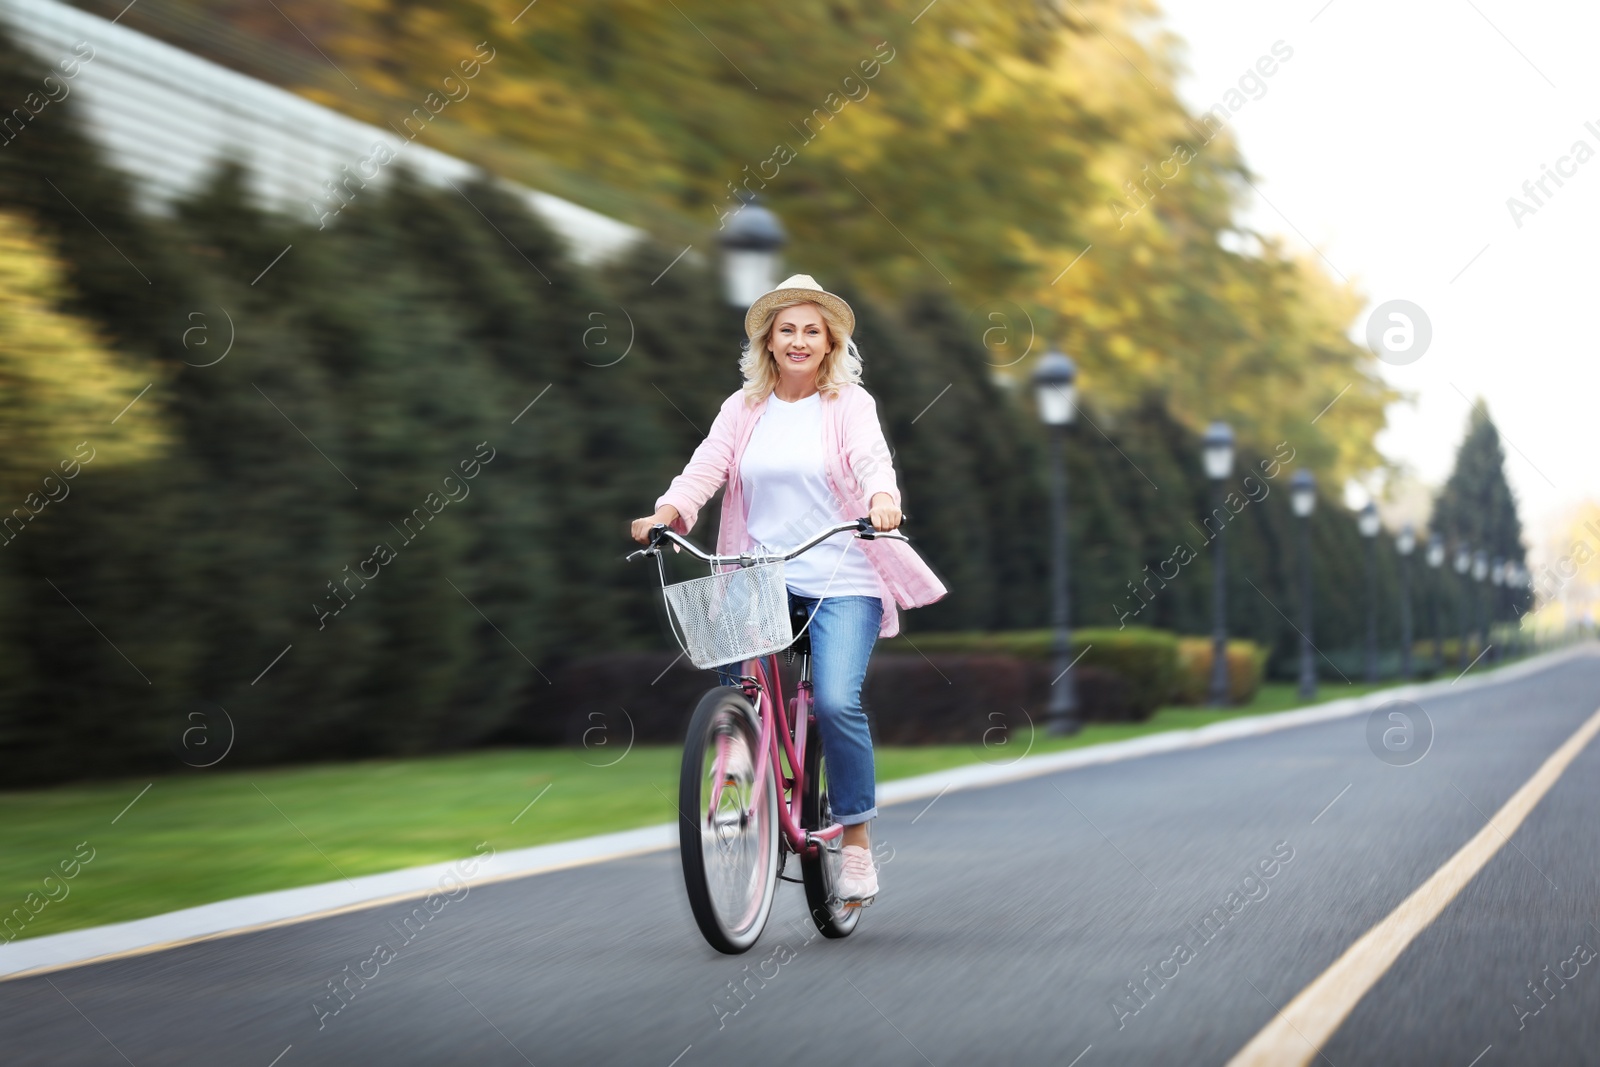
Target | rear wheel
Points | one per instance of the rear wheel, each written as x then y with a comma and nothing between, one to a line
730,852
821,875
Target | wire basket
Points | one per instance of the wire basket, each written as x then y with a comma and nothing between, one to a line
732,616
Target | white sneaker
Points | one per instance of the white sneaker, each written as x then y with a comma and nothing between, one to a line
858,878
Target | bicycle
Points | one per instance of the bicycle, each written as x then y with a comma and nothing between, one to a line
740,816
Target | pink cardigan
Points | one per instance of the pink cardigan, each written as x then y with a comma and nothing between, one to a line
858,465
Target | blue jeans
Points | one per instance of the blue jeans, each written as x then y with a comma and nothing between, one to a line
843,630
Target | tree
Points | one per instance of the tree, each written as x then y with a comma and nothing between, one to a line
59,385
1476,504
930,148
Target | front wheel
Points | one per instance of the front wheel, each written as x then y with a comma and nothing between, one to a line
821,875
729,845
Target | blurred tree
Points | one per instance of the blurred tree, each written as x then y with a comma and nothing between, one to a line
1476,503
984,153
1570,575
59,386
431,326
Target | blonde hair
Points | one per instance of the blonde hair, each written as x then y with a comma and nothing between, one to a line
841,365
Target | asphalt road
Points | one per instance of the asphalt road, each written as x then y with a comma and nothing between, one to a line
1011,922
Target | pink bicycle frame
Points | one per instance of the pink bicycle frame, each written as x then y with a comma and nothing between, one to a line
766,694
764,689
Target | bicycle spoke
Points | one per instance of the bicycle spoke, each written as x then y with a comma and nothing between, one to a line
733,843
729,823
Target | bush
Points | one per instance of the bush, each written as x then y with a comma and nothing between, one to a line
605,700
1105,696
1123,675
983,699
1246,664
1452,653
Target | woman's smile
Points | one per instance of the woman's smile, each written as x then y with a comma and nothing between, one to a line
799,338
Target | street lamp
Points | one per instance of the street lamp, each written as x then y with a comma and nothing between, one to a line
750,246
1497,576
1403,545
1216,453
1509,605
1518,583
1303,498
1435,561
1055,388
1480,571
1516,578
1368,523
1463,565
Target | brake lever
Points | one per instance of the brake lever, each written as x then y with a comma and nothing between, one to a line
653,547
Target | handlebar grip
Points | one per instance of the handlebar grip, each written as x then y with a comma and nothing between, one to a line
656,537
866,530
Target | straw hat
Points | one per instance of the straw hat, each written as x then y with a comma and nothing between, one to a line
798,287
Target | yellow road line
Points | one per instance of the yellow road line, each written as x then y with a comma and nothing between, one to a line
1299,1031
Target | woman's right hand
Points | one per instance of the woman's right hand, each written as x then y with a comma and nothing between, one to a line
664,516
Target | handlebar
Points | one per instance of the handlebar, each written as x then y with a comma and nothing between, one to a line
863,529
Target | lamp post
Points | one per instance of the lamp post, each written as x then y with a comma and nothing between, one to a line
1522,603
1055,388
1303,498
1403,545
1480,571
1368,523
1463,565
1516,578
1217,454
1435,561
1497,578
750,246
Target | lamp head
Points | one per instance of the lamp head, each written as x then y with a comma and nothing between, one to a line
1303,492
1216,449
750,245
1055,387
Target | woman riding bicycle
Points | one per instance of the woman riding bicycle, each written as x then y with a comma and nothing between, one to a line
800,446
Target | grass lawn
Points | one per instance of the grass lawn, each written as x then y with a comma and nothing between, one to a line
209,835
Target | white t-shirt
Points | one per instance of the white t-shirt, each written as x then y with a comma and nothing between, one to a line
786,488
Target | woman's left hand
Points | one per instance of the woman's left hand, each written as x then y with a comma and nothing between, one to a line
883,513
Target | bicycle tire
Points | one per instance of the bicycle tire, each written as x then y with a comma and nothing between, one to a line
731,877
831,918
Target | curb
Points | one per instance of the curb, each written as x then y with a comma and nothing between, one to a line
262,911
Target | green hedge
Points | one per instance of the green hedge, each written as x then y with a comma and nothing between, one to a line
1145,660
1246,664
1422,651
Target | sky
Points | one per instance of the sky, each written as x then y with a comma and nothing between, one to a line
1390,142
